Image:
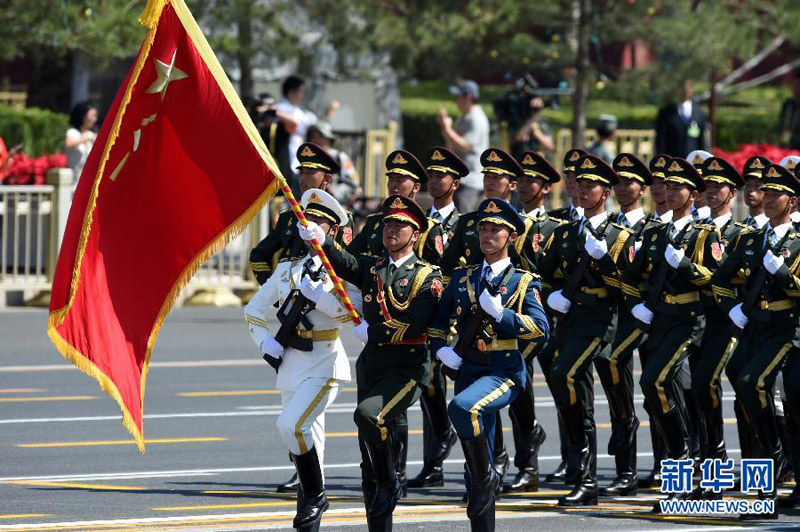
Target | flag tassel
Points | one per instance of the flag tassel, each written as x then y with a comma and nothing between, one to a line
152,12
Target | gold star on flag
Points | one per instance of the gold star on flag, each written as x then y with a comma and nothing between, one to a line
166,74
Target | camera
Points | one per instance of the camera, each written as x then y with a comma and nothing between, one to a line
515,106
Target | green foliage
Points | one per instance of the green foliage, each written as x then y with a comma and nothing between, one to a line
747,117
101,29
39,130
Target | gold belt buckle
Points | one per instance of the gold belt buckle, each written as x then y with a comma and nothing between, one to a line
302,333
763,304
481,346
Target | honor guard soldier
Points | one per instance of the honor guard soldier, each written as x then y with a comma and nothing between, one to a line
400,294
307,352
722,181
700,211
753,195
615,366
315,171
445,170
569,213
764,269
582,266
501,172
675,261
496,308
405,177
658,190
529,435
573,211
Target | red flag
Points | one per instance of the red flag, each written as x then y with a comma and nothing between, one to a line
177,170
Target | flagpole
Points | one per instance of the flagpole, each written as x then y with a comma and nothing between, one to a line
337,283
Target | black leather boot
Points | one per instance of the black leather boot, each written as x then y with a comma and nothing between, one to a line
586,491
501,459
290,485
693,426
311,498
400,452
561,471
387,488
527,460
627,480
673,432
483,479
788,471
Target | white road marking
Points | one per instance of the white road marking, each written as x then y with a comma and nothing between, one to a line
209,472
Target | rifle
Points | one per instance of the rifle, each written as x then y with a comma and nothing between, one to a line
583,260
659,276
474,332
293,313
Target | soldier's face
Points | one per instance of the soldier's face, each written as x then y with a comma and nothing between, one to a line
440,183
658,190
753,195
778,204
312,178
717,193
494,237
530,188
590,193
628,190
498,186
398,235
571,186
402,185
677,195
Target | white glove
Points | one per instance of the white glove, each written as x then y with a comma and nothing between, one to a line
311,289
558,302
674,256
360,331
493,305
594,247
271,347
737,316
642,313
449,357
772,262
312,232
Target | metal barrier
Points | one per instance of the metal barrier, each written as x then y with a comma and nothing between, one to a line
640,142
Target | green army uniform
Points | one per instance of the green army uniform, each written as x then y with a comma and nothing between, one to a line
369,240
678,316
591,288
752,169
615,365
399,303
771,336
429,247
706,363
283,241
570,212
438,435
531,247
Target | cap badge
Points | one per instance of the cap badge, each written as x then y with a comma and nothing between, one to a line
437,156
625,162
313,198
661,162
773,172
528,159
575,156
307,152
715,165
397,204
675,167
493,157
697,159
492,208
588,164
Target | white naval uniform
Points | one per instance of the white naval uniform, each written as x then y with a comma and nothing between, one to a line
309,381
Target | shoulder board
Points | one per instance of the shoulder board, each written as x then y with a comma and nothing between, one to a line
705,226
621,227
428,264
559,221
744,227
526,273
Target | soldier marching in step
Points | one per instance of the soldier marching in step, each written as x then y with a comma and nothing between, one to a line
615,284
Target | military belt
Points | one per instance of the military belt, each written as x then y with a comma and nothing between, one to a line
681,299
774,306
327,335
499,345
